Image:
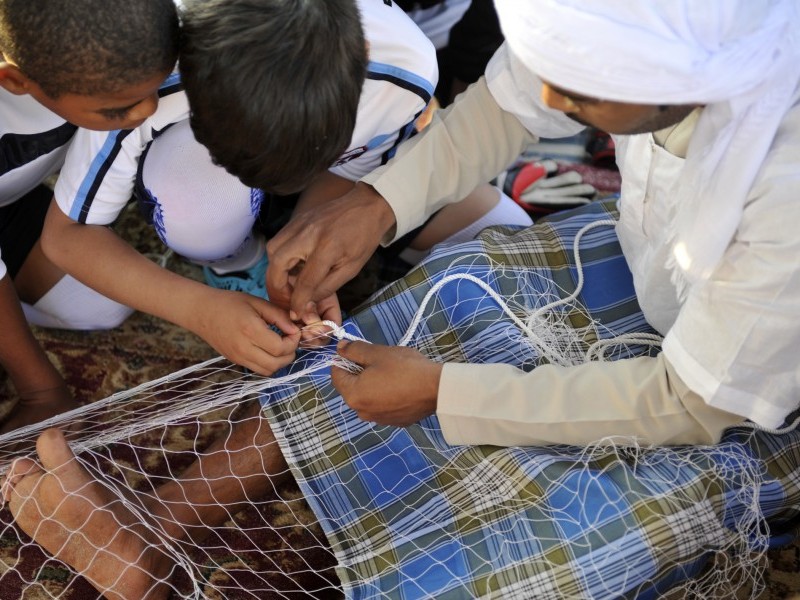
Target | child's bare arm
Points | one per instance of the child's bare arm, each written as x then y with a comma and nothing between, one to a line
40,387
235,324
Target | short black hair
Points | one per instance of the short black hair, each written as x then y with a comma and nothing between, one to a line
88,47
273,85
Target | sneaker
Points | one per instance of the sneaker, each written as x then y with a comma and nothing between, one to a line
251,281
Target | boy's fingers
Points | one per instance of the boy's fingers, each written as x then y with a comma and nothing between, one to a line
278,317
271,348
266,362
288,343
283,322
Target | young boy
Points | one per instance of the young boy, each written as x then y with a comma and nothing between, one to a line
276,126
53,78
283,109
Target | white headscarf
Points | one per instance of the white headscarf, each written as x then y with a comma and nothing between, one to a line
740,58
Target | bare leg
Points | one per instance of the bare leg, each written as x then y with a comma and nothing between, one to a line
38,383
81,523
454,217
37,406
243,466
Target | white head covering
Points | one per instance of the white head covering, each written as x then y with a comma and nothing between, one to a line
740,58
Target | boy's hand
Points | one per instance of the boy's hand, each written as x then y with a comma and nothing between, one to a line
397,386
313,332
237,325
37,405
325,247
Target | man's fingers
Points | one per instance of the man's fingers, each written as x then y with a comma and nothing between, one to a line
334,240
330,310
278,280
314,336
318,280
343,380
279,297
285,254
357,352
289,249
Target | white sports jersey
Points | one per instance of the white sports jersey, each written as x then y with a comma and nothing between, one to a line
436,21
401,76
98,177
33,142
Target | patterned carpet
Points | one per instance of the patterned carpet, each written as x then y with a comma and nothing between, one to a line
99,364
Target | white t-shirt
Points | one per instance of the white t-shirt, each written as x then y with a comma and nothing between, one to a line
98,177
401,76
33,143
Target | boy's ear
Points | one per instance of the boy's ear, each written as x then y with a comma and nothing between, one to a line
14,80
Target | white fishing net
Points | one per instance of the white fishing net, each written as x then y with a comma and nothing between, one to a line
177,488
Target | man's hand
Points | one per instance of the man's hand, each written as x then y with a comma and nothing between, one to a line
398,386
237,325
321,249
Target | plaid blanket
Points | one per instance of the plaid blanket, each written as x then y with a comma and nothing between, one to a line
409,516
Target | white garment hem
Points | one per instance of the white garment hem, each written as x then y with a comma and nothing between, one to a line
703,383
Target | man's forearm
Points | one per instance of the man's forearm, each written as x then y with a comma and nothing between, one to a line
465,145
639,398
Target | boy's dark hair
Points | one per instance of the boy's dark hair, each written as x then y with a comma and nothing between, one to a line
273,85
89,46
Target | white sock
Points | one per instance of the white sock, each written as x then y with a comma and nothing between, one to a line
248,255
505,212
71,305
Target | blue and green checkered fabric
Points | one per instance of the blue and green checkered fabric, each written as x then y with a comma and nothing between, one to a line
409,516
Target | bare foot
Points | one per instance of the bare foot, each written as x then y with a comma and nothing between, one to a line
62,507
